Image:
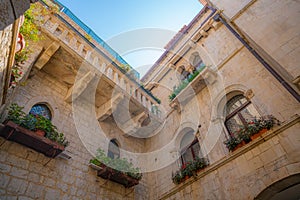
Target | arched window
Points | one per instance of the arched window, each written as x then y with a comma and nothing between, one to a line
41,109
183,74
113,149
196,61
238,111
190,148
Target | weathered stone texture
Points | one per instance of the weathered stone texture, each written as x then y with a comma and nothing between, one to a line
5,45
23,172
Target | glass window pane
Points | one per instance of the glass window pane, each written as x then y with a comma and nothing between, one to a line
41,109
187,156
187,140
249,113
201,65
234,103
233,125
196,149
113,150
197,60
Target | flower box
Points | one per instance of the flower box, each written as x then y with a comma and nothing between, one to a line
242,143
116,176
18,134
189,170
256,135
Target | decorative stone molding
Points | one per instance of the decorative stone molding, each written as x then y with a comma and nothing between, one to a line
79,86
296,81
107,109
46,55
249,94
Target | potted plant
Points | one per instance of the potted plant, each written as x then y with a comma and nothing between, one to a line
233,143
118,170
44,125
15,114
188,170
35,123
21,128
244,135
177,177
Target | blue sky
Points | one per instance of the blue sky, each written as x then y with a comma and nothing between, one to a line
112,18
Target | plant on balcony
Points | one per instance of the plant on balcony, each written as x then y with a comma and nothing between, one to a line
255,127
33,123
151,94
188,170
116,165
184,83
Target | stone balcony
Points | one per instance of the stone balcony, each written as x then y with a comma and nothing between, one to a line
67,50
207,76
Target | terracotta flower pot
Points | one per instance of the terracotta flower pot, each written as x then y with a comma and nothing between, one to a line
186,178
40,132
242,143
256,135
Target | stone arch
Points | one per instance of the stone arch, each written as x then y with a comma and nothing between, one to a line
194,58
286,188
183,129
47,100
179,70
114,148
222,97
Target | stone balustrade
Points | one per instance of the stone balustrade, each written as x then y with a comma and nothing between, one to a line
77,43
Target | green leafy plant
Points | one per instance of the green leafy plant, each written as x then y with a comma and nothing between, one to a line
31,29
88,37
45,124
151,94
183,84
188,170
15,113
252,128
120,165
29,122
126,67
32,122
231,143
177,177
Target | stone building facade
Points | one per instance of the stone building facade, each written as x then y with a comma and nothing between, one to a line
243,52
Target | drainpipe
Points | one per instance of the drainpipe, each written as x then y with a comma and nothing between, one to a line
219,18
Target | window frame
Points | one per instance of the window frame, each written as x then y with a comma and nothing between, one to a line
110,152
183,151
237,112
46,106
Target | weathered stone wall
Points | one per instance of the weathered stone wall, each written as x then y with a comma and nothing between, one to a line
24,172
5,45
273,25
238,71
242,174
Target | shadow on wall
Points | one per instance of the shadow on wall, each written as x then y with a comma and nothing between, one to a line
11,10
287,188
